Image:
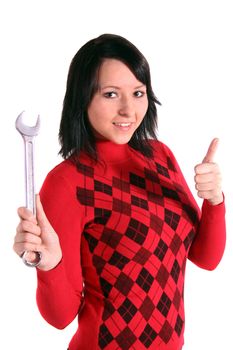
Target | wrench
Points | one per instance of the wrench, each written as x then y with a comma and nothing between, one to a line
28,134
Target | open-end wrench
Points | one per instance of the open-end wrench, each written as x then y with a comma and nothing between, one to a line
28,134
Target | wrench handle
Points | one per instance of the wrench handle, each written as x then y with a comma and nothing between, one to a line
29,173
30,191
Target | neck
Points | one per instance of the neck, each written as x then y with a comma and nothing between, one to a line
111,152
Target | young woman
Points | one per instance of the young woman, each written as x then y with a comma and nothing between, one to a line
117,221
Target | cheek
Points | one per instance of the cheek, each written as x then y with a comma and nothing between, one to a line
93,113
97,109
143,110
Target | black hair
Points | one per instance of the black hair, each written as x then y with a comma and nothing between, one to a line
75,133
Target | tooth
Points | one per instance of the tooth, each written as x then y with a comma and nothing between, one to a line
122,124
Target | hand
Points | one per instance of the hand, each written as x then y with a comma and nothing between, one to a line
36,234
208,176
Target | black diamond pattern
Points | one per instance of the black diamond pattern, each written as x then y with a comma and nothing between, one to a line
161,250
162,170
175,271
99,263
169,193
164,304
179,325
171,165
127,310
102,216
137,180
145,280
85,170
137,231
147,336
85,197
92,242
105,337
172,219
118,260
102,187
108,309
106,286
188,240
139,202
151,175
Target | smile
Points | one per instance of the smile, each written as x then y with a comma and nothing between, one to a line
122,124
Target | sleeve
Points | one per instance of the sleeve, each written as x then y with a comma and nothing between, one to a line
209,242
59,291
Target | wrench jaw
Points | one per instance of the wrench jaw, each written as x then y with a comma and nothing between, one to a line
26,130
38,257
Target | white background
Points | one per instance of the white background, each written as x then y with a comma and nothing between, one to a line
189,47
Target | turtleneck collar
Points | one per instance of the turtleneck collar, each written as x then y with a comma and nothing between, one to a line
111,152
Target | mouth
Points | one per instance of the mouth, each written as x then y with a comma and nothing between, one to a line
123,126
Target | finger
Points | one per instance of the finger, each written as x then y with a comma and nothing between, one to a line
43,222
205,194
209,157
203,178
26,237
26,214
28,226
20,248
206,168
209,186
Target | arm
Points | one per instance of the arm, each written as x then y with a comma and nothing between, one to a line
208,245
59,291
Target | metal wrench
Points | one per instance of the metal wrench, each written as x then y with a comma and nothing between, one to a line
28,134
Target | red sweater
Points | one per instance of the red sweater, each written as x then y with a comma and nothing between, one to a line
126,226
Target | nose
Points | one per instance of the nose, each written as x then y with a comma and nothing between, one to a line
126,107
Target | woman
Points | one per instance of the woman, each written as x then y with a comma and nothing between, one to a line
117,221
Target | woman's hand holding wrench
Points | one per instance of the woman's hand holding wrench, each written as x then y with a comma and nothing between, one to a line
35,241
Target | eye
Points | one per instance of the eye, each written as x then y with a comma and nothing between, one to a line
139,93
110,94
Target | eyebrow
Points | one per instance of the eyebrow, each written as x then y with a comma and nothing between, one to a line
118,88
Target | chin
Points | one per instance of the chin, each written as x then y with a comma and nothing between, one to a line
122,141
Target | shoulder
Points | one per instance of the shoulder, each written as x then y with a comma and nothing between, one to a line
63,175
63,169
160,148
164,156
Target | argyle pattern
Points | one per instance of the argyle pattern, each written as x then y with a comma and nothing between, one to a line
139,229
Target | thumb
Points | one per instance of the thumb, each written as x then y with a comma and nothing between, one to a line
209,157
40,215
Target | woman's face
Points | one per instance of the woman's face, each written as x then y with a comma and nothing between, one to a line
119,105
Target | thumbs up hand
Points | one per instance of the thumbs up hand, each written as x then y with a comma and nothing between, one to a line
35,234
208,176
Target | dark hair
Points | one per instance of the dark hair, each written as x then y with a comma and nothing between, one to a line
75,134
